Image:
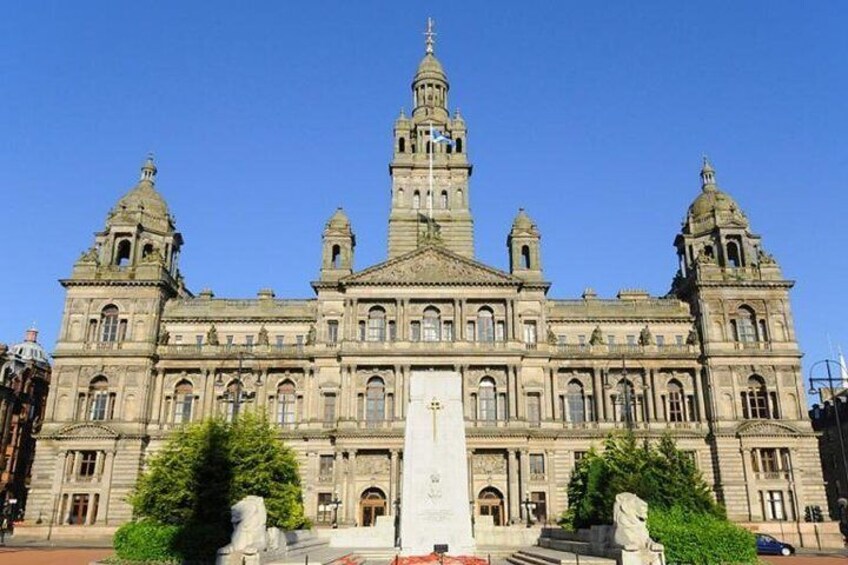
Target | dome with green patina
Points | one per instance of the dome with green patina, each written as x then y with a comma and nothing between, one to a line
713,203
143,203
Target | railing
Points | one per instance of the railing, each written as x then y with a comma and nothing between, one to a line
104,345
753,345
772,475
194,349
628,349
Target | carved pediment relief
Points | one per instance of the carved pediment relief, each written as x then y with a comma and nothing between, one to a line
428,266
87,431
766,428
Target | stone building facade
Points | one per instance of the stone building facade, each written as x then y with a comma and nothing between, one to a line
715,361
24,382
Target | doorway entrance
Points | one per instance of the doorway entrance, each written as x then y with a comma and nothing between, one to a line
372,503
490,503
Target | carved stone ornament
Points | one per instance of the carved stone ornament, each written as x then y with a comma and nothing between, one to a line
597,336
263,336
212,336
431,265
552,338
488,464
164,337
89,256
646,337
693,338
372,465
311,335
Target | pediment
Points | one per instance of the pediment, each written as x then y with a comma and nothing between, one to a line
766,428
431,265
86,431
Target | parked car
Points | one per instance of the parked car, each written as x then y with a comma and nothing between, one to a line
768,545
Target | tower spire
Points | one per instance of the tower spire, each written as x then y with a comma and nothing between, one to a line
148,169
430,37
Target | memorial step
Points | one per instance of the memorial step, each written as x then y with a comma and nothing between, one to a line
543,556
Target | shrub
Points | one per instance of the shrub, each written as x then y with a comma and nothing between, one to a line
700,538
146,540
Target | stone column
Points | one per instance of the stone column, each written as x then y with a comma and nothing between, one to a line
460,331
608,415
106,484
699,397
550,471
351,514
406,378
750,485
394,489
524,482
471,496
89,513
520,398
208,394
157,397
650,393
795,485
598,396
548,407
512,482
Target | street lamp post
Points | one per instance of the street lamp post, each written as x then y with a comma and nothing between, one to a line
830,382
335,503
528,506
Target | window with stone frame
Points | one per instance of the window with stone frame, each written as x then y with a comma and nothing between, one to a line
415,331
432,324
376,324
183,402
485,324
329,408
758,402
375,401
745,325
537,465
88,464
774,507
325,466
286,403
99,400
487,403
112,328
575,405
332,331
534,408
770,462
530,332
579,456
675,402
325,508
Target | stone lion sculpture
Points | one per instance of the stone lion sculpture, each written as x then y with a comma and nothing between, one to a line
249,518
630,531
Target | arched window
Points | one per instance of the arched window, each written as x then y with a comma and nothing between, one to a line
416,200
372,504
286,402
491,503
376,324
109,323
233,398
675,411
525,256
576,402
755,401
99,405
746,324
625,401
402,145
122,254
336,259
459,145
375,400
146,250
485,324
183,402
432,324
444,200
733,258
487,398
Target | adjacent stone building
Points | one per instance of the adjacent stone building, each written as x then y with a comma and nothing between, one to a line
24,382
715,361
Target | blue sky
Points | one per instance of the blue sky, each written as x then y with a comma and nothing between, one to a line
264,118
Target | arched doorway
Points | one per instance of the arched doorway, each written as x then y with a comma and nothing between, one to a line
491,503
372,503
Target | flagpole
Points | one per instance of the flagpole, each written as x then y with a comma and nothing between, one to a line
430,192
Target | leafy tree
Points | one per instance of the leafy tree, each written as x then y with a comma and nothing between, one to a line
204,469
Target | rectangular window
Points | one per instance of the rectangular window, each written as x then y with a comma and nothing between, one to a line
88,463
631,340
198,339
678,339
182,408
325,466
325,508
229,341
561,340
299,341
178,339
470,331
534,408
610,340
392,331
79,510
581,339
530,333
774,505
279,342
329,408
376,328
537,464
99,403
447,331
415,331
660,340
361,330
500,330
578,457
333,331
248,341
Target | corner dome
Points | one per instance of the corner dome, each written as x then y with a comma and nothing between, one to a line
30,349
712,200
713,207
143,203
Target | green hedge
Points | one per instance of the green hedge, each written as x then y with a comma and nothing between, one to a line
147,541
700,538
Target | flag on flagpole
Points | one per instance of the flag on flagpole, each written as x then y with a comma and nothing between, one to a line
440,137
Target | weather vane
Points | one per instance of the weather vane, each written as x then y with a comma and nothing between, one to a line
430,36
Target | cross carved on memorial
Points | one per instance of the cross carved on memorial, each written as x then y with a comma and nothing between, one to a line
434,406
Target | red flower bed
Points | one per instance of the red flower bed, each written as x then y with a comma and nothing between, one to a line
433,559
